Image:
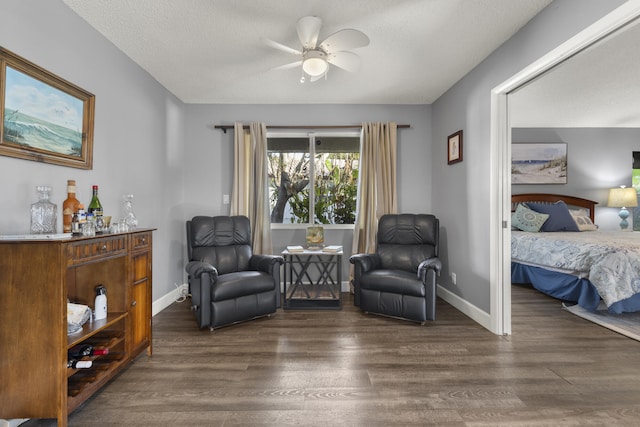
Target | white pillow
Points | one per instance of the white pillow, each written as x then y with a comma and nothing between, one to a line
584,223
579,212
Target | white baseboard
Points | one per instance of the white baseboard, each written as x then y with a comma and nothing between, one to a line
168,299
470,310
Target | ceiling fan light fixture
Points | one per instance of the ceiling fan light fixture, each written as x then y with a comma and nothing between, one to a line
317,57
315,63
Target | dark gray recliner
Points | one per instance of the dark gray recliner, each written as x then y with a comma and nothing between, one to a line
227,281
399,280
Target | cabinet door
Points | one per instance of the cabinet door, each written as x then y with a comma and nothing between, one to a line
140,310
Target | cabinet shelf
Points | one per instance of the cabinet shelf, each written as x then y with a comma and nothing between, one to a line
90,329
43,275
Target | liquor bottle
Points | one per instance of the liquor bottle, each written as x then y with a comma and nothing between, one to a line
82,215
43,213
129,217
75,225
95,207
79,364
69,206
82,350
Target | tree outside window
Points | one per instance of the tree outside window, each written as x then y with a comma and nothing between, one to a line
320,192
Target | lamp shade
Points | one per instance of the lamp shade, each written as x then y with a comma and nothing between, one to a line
622,197
315,63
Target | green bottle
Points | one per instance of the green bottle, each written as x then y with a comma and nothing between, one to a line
95,207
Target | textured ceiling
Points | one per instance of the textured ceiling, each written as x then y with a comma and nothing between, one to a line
210,51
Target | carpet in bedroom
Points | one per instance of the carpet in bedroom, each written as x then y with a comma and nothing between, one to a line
627,324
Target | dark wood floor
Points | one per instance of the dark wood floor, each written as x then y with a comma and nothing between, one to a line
345,368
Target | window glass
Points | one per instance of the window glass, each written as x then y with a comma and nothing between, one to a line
320,192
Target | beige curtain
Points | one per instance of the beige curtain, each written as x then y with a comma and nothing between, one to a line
377,187
250,195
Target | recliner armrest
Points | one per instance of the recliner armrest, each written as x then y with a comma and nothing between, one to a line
366,262
197,268
266,263
429,264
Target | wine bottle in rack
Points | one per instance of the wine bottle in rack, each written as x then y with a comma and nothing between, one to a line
82,350
79,364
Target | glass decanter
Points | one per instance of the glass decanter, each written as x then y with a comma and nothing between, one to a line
129,217
43,213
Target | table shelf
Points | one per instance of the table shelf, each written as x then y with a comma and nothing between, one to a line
312,280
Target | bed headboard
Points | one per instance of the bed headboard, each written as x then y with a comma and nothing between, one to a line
552,198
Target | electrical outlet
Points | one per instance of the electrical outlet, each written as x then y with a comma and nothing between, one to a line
453,278
225,199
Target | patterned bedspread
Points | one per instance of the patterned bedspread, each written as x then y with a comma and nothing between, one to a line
609,259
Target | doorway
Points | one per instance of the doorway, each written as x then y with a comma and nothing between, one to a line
500,275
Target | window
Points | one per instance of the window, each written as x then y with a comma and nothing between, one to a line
322,191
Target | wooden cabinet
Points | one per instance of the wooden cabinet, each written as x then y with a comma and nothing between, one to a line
37,279
140,297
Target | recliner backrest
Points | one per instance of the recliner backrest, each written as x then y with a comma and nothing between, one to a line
222,241
404,240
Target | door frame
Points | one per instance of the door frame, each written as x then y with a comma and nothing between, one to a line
500,197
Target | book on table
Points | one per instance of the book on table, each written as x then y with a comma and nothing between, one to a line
295,248
332,248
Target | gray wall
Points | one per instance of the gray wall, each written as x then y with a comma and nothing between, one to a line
461,192
149,143
139,132
597,159
209,155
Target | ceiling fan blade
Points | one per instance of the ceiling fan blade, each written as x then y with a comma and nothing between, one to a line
346,39
280,46
289,65
348,61
308,30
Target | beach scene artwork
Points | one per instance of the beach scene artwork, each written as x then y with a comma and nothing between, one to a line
40,116
539,163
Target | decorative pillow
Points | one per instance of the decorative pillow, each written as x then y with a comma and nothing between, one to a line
526,219
578,212
584,223
559,217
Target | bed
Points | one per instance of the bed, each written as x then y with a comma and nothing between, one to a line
584,266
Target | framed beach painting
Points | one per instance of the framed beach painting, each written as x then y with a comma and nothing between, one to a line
539,163
43,117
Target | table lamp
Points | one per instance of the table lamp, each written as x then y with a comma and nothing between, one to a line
623,198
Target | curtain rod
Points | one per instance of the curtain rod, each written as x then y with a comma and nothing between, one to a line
225,127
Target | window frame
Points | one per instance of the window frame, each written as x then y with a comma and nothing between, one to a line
312,135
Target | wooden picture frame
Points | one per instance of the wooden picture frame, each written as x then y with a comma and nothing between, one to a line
539,163
43,117
454,148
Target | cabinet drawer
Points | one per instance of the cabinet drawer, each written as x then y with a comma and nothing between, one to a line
97,248
140,241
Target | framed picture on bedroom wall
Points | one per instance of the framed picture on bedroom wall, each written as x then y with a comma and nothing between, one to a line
539,163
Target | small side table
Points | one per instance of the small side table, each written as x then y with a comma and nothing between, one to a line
312,279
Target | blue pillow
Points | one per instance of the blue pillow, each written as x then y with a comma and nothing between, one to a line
560,218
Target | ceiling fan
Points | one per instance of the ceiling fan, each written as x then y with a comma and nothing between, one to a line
315,57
